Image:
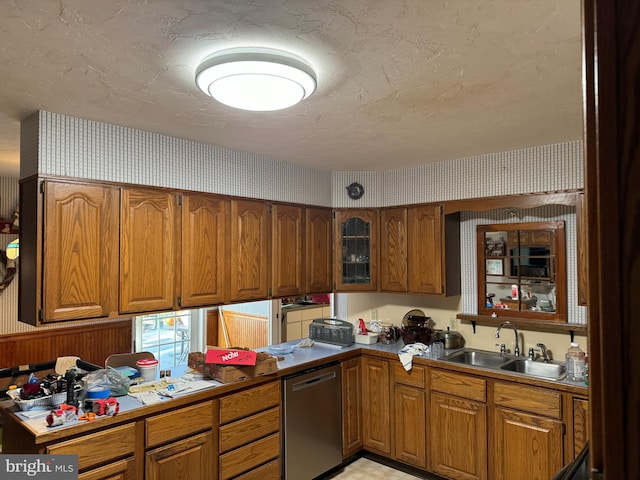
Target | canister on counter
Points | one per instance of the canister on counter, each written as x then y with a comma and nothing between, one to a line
148,369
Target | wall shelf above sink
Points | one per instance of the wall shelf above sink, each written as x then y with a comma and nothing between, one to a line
528,324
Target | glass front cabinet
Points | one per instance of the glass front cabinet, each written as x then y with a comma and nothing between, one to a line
356,233
521,268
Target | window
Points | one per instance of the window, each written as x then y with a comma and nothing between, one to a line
521,270
170,336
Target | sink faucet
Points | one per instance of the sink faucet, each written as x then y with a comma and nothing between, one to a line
516,350
545,353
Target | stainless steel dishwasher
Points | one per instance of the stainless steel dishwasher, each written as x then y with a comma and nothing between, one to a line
312,422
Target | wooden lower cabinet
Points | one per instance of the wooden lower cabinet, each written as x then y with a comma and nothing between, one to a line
458,440
98,448
188,459
458,426
351,401
410,425
409,417
376,411
180,444
120,470
249,434
580,417
528,432
526,445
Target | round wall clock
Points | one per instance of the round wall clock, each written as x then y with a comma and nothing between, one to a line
355,191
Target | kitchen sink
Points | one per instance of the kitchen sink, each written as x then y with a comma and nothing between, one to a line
507,363
477,358
548,371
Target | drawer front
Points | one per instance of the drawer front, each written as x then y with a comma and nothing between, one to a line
248,402
99,447
179,423
268,471
120,470
246,430
246,458
458,384
413,378
528,399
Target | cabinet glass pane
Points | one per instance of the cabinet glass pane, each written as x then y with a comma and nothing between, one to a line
356,251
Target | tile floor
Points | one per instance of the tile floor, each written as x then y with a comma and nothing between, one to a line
365,469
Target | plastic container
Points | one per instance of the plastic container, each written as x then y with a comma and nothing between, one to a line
575,363
368,339
148,369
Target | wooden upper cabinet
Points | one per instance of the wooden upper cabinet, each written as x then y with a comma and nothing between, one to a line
286,250
393,250
414,242
426,245
80,254
204,249
356,250
148,246
249,250
317,252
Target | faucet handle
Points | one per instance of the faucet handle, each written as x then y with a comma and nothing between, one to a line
545,353
503,348
532,353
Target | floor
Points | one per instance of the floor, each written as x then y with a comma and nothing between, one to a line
366,469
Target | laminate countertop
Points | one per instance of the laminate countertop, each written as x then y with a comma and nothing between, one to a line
300,359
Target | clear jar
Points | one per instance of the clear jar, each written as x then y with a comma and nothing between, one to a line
575,363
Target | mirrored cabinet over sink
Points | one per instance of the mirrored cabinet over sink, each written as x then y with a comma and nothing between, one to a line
522,270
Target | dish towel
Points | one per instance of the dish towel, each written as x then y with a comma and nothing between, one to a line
408,351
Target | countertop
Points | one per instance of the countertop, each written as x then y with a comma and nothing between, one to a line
300,359
302,306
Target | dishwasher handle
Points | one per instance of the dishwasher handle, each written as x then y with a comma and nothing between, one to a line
310,382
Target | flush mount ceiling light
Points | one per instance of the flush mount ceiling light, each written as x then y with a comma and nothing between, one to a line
256,79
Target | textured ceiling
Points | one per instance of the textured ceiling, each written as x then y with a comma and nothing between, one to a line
400,82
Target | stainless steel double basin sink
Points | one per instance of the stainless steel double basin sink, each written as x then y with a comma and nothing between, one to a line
507,363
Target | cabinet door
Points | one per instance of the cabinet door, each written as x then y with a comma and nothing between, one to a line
425,249
526,446
393,250
286,250
204,254
249,250
582,220
580,425
317,253
147,250
458,438
351,402
376,421
80,259
410,425
119,470
356,250
188,459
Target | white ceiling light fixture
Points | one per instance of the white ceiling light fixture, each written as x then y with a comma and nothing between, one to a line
258,79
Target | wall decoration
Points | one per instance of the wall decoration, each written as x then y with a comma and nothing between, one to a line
355,191
495,266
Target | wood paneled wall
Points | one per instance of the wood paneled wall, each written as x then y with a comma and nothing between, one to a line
92,343
243,330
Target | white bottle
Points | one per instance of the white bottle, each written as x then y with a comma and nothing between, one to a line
575,363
